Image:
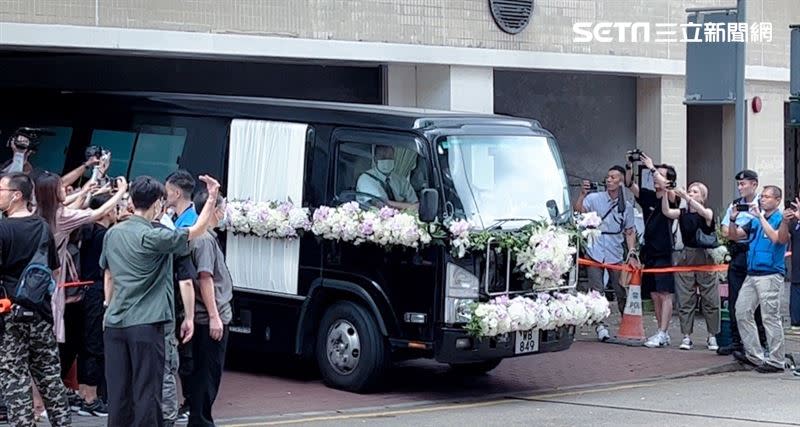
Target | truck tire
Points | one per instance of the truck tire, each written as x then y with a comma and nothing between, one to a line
475,368
352,354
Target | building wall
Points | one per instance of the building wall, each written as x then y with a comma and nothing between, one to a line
704,151
593,117
461,23
765,131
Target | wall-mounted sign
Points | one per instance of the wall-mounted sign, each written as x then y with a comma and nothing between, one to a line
512,16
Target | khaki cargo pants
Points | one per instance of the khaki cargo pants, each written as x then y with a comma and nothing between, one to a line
687,296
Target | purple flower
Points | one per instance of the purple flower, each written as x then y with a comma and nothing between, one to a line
321,213
366,228
284,208
387,212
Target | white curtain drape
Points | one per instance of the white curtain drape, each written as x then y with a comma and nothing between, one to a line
265,163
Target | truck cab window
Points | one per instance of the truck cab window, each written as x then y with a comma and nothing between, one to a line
157,152
120,144
152,150
378,175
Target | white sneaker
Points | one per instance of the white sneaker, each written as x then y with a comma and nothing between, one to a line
712,343
602,333
657,340
686,343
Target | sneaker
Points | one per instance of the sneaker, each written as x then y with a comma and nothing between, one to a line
75,401
796,372
602,335
741,357
658,340
183,411
94,409
712,343
766,368
686,343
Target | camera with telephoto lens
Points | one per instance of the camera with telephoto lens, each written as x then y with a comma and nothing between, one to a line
634,155
31,134
22,314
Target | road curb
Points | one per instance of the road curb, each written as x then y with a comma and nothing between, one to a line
730,366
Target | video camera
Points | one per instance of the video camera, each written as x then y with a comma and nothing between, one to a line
634,155
31,134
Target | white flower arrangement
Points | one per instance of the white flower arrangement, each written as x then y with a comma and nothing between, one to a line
459,236
547,257
546,312
589,224
384,227
276,220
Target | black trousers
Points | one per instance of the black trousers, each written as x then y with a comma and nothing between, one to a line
185,360
134,374
209,359
83,324
737,272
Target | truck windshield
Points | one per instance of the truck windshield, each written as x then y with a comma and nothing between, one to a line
500,180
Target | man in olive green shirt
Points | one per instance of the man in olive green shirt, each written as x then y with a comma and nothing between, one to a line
137,260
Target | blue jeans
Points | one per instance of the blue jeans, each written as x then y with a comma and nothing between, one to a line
794,303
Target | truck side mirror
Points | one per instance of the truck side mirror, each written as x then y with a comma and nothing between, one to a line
428,204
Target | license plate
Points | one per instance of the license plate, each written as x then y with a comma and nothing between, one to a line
527,342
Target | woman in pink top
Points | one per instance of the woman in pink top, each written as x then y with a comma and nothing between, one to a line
50,198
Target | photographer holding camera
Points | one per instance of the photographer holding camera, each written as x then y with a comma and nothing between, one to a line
658,242
764,282
28,343
24,143
617,227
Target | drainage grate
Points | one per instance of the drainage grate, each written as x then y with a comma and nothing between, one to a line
512,16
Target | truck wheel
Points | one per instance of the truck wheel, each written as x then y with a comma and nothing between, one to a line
352,354
475,368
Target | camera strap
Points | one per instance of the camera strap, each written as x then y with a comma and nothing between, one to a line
620,207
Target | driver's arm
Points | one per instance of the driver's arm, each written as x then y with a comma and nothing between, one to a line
368,185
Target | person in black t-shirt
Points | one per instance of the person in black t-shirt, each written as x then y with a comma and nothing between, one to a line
657,249
20,236
696,217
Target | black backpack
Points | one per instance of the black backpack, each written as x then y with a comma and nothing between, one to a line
36,283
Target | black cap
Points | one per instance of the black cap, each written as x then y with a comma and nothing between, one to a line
746,174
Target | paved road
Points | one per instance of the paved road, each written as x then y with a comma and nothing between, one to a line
279,388
733,399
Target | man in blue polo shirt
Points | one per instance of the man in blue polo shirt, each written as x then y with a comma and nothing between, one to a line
180,187
762,286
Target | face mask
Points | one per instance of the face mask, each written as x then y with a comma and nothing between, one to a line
385,166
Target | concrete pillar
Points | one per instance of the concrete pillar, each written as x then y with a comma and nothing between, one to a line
661,121
441,87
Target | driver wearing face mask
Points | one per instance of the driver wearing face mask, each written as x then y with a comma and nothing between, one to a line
383,183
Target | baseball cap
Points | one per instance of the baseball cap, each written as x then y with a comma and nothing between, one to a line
746,174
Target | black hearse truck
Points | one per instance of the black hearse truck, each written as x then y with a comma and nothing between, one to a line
354,309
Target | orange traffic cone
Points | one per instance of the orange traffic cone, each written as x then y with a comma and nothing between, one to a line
632,326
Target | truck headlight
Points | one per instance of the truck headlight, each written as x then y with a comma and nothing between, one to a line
462,290
461,283
457,310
